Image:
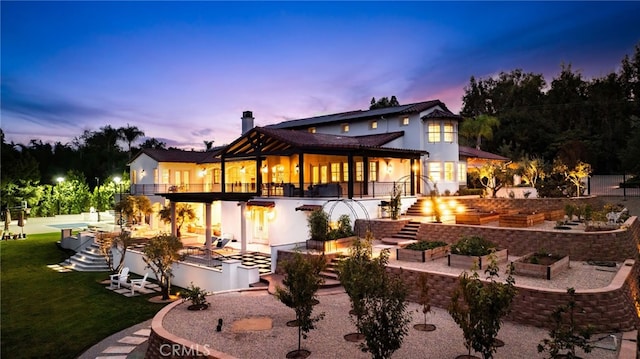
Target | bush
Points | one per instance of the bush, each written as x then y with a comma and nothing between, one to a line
195,294
472,246
425,245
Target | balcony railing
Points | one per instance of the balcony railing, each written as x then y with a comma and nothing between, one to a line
330,190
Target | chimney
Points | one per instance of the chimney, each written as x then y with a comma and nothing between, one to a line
247,121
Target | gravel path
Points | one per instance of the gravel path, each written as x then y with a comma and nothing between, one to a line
327,340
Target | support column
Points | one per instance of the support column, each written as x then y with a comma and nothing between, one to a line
207,229
243,227
174,228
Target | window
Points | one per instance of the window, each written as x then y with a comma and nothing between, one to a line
405,121
335,172
373,125
345,171
155,175
373,171
448,171
165,176
323,174
433,131
216,175
359,170
345,127
435,171
448,132
462,172
315,174
177,178
312,130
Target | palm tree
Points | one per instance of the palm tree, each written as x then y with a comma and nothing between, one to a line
479,127
129,134
208,144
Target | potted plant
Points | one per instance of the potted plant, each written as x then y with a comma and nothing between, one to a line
541,264
421,251
474,251
196,296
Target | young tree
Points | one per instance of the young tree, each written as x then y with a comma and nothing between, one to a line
493,176
425,301
384,320
119,243
531,170
301,283
478,308
576,174
143,208
566,335
184,214
160,253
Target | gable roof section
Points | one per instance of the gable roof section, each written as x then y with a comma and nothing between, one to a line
437,113
471,152
172,155
360,114
273,141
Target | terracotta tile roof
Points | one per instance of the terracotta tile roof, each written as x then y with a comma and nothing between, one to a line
257,203
441,114
305,139
471,152
173,155
363,114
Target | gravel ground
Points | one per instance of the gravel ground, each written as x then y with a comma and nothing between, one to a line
327,340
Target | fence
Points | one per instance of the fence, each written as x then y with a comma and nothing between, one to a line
611,186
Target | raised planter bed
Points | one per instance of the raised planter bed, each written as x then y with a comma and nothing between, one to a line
547,266
413,255
467,262
476,218
554,215
330,245
521,220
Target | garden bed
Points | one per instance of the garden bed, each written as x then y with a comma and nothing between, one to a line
467,262
521,220
417,255
476,218
554,215
539,265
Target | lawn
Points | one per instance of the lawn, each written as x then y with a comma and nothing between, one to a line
47,314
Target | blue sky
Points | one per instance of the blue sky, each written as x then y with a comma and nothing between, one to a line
183,72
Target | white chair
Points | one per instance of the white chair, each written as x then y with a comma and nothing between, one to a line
137,284
120,278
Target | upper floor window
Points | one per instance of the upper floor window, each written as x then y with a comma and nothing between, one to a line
359,171
373,171
433,131
216,175
404,121
345,127
448,131
312,130
335,172
373,125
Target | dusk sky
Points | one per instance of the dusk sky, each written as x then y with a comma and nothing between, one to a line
183,72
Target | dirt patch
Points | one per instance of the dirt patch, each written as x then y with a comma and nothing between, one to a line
252,324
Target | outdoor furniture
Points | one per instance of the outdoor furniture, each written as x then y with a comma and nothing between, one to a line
119,278
137,284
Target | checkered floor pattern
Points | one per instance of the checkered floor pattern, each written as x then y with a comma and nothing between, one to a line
262,261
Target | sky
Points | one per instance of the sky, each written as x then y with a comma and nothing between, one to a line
183,72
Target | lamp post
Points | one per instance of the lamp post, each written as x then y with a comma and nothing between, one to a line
118,181
98,197
59,180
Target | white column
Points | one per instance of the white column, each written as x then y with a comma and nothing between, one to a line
207,228
243,227
174,228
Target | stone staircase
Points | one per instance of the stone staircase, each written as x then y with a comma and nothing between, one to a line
416,209
87,260
408,232
331,283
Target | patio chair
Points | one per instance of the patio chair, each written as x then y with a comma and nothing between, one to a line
137,284
119,278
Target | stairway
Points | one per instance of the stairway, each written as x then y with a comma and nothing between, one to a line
408,232
416,209
88,260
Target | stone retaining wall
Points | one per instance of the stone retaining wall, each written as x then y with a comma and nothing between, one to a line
616,245
608,309
528,205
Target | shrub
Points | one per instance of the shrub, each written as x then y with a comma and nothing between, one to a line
318,223
425,245
195,294
472,246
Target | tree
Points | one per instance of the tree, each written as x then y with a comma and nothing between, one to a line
301,283
184,214
566,335
531,170
109,243
383,102
159,254
127,207
384,319
129,134
574,175
478,308
143,208
424,299
318,223
494,175
153,143
479,127
208,145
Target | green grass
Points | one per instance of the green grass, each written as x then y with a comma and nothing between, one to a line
46,314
